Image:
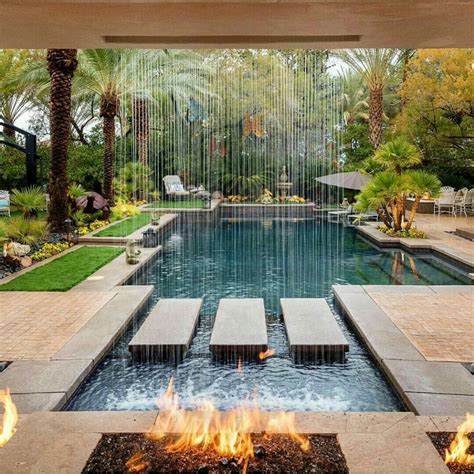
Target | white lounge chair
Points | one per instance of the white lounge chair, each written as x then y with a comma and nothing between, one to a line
174,187
445,203
5,203
447,189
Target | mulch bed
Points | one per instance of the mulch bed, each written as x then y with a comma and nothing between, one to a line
441,442
277,454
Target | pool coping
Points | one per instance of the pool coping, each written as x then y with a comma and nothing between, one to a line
370,442
426,387
444,251
215,203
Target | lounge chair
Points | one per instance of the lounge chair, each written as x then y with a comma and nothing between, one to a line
470,201
5,203
336,216
174,187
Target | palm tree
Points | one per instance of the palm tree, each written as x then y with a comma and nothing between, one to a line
422,183
104,72
375,67
16,96
397,155
354,97
61,66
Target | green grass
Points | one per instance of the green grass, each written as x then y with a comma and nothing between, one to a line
126,227
64,272
192,204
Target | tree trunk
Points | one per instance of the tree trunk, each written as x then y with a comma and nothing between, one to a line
141,127
9,133
108,111
61,66
375,116
412,215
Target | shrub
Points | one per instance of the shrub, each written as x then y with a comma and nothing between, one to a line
24,231
29,200
122,210
413,232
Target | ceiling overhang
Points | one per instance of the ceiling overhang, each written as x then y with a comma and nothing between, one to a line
270,23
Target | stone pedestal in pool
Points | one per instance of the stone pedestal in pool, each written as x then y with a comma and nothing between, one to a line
167,331
312,330
240,328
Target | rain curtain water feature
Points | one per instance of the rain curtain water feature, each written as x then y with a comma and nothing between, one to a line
229,120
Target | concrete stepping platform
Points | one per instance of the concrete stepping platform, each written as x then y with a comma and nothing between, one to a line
312,330
239,328
167,331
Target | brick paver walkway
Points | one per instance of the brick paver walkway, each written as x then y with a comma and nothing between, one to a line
35,325
440,326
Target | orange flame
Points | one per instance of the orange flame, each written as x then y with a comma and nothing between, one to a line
239,366
266,354
227,433
10,417
136,463
457,451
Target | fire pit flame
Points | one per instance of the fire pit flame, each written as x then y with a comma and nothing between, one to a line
457,451
228,433
10,417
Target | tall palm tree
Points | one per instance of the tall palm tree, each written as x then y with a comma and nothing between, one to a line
355,96
61,66
375,67
104,72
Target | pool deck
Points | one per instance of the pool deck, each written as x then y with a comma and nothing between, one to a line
421,337
370,442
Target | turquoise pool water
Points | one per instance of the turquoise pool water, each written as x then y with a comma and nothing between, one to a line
270,259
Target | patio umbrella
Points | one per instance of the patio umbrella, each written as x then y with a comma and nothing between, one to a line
352,180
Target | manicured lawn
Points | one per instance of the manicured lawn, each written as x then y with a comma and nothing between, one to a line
64,272
126,227
192,204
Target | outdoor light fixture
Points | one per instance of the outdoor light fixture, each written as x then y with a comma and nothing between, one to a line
71,234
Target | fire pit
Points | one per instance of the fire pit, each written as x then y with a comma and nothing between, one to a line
138,453
206,440
457,449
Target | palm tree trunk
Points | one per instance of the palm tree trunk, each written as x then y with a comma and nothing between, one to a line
141,127
108,111
61,66
9,133
412,215
375,115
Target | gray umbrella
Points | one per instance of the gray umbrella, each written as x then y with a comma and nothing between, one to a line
352,180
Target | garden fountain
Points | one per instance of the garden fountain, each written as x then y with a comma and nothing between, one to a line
284,186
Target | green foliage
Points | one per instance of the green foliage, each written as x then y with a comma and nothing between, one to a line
75,191
357,147
398,155
24,231
64,272
133,179
123,209
412,233
28,200
12,168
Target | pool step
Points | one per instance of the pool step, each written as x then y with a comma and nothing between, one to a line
167,332
312,330
239,328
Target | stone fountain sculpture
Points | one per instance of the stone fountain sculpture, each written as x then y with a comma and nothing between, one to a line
284,186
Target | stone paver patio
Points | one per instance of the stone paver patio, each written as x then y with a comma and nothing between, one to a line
35,325
440,326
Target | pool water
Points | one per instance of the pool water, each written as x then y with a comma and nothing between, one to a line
268,259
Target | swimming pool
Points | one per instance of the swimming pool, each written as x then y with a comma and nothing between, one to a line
270,259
